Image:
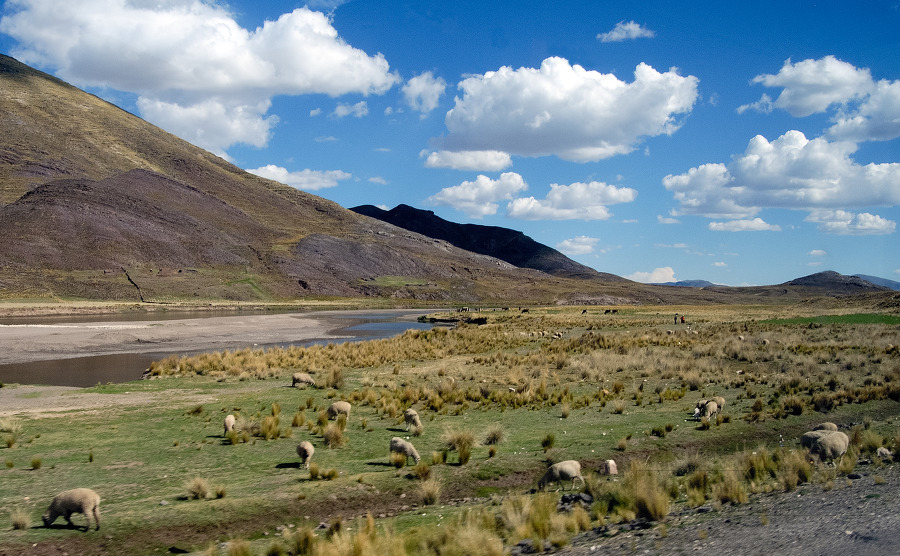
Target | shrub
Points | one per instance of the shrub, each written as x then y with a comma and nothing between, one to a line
422,471
622,444
731,490
198,488
335,379
20,519
460,442
398,460
269,428
430,491
565,411
548,442
313,471
36,463
232,437
334,436
239,547
220,492
650,500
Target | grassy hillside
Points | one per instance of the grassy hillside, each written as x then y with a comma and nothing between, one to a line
499,402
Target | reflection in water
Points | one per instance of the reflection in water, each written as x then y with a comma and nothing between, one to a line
100,369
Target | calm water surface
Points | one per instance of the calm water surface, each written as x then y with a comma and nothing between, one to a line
91,370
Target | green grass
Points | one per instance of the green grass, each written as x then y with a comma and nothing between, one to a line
858,318
154,437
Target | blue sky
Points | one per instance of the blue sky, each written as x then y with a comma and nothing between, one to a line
740,143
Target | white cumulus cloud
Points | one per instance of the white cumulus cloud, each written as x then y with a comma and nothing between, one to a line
791,172
817,253
753,225
484,161
480,198
656,276
192,57
578,201
863,109
357,110
308,180
423,92
625,31
841,222
565,110
581,245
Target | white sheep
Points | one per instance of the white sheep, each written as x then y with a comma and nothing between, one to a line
826,426
411,418
720,401
708,409
608,467
809,439
401,446
305,450
76,501
831,446
339,408
568,470
229,424
302,378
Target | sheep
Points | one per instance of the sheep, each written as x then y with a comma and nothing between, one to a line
76,501
809,439
229,424
608,467
305,450
708,409
339,408
400,446
302,378
826,426
884,453
831,446
568,470
720,401
411,417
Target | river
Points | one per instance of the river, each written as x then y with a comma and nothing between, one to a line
85,351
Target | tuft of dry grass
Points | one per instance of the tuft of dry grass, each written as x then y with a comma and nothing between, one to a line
198,488
20,519
334,436
430,491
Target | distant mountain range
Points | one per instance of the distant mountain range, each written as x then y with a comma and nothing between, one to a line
880,281
505,244
97,204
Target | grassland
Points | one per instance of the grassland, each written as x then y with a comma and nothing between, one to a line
499,402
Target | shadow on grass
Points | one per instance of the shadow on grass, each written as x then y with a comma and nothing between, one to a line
288,465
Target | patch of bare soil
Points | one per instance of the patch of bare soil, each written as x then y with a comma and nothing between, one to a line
859,516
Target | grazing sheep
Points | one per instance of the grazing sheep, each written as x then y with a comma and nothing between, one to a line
229,424
809,439
302,378
305,450
720,401
400,446
831,446
826,426
339,408
568,470
708,409
411,417
608,467
76,501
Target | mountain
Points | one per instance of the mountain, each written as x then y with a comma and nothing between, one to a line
688,284
96,203
884,282
835,283
505,244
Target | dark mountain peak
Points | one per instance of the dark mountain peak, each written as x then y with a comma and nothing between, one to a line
505,244
835,282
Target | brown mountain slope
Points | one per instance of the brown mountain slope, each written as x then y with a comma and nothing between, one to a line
97,203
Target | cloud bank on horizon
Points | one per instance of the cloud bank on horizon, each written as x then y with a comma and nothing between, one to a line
203,71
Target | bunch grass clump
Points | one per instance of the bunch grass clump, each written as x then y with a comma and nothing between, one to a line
198,488
20,519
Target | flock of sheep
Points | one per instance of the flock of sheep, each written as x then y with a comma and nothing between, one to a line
825,442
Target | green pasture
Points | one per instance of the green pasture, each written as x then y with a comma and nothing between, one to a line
560,385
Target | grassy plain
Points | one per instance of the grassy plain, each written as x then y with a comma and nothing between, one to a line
547,385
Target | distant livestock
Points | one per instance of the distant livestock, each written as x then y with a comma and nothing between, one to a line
401,446
76,501
826,426
411,418
831,446
338,408
229,424
569,470
305,450
709,410
303,379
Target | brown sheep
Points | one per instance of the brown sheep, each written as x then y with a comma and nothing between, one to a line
76,501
